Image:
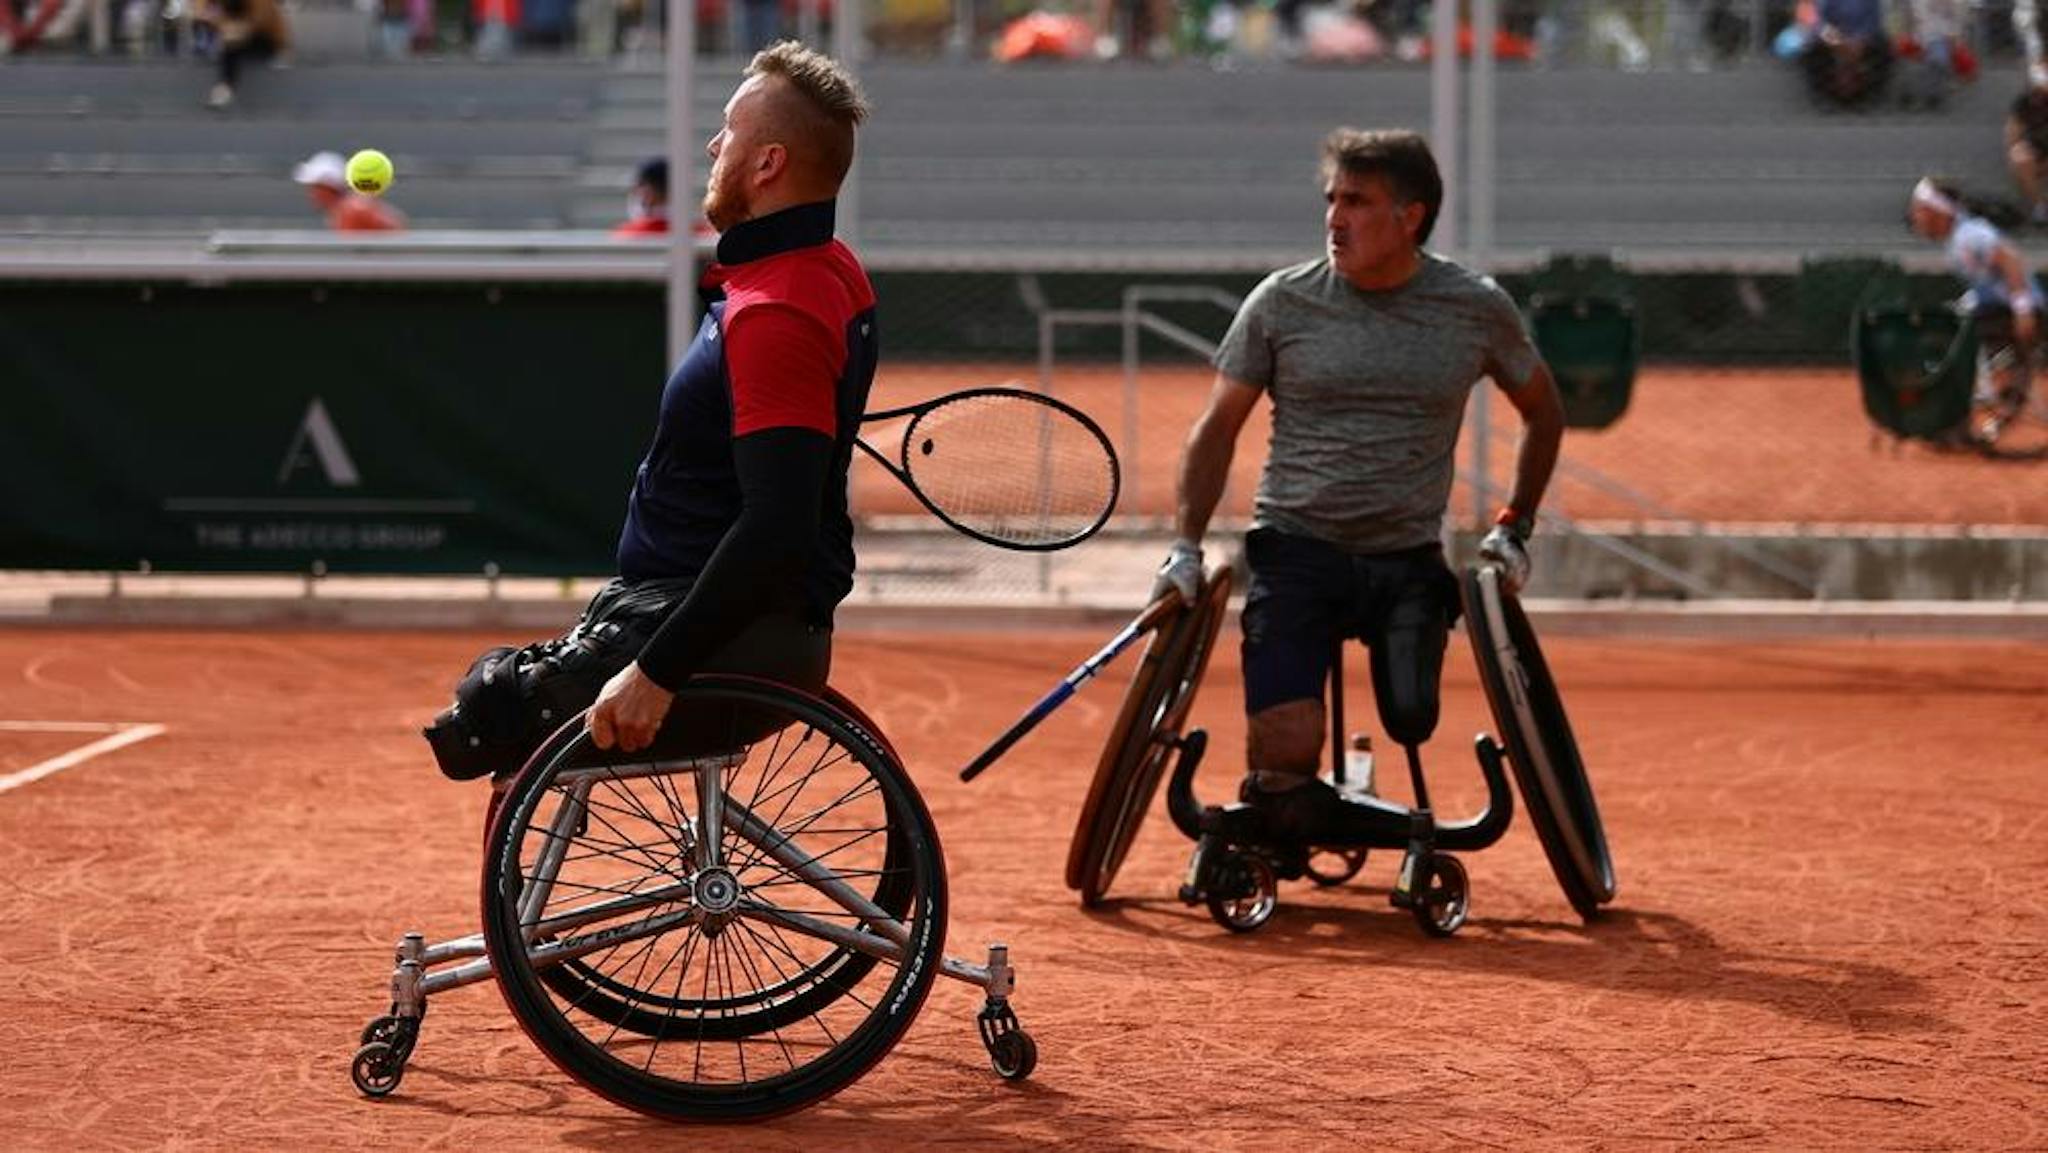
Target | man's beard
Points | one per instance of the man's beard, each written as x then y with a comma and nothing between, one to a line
725,204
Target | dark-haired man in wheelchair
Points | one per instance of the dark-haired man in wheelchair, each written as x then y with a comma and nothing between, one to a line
2003,296
737,544
1368,355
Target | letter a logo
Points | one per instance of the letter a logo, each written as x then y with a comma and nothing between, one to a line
317,432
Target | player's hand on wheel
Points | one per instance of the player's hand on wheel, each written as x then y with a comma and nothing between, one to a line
1182,572
1507,545
629,711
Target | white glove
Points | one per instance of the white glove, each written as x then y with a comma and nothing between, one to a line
1182,572
1508,549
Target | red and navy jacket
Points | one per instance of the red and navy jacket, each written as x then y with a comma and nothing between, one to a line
768,396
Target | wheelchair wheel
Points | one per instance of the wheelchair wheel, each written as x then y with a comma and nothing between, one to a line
727,974
1541,749
815,986
1443,895
1246,894
1329,868
1145,733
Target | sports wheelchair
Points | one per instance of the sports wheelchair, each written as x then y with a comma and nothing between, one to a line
734,923
1236,867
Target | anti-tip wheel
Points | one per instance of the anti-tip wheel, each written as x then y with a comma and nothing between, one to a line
377,1069
1444,896
1246,892
1014,1055
1329,868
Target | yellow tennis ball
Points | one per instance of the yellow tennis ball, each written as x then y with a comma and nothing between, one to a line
369,171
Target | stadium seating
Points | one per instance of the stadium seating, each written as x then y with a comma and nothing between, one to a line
968,158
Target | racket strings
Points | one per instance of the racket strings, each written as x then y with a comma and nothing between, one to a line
1012,468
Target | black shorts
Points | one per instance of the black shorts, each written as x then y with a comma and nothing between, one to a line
1307,595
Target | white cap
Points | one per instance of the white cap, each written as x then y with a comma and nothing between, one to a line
326,168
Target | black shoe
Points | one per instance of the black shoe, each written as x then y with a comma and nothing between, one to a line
1315,813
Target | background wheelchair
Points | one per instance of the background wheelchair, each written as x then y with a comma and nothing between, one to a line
1235,869
734,923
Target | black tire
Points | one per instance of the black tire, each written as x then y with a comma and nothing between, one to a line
1250,892
1014,1055
757,1014
1348,863
377,1069
383,1029
1443,895
1141,741
1542,751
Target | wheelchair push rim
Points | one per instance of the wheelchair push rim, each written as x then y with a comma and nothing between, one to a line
1143,737
1542,751
717,984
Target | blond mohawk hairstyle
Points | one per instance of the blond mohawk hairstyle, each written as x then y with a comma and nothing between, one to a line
833,105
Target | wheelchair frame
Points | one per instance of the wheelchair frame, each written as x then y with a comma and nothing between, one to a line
698,872
1235,869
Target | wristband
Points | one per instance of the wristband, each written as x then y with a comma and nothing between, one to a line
2023,304
1521,524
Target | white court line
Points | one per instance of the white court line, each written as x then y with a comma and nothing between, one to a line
125,736
63,726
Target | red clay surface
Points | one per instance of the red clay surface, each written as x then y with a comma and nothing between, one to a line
1830,934
1747,446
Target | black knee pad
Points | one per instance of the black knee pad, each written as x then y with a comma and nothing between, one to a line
1408,665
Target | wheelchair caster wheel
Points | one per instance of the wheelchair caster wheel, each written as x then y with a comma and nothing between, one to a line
383,1029
1443,897
377,1069
1245,894
1331,867
390,1029
1014,1054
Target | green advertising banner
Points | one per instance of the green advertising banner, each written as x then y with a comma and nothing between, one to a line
386,428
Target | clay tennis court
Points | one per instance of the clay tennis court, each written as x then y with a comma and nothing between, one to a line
1833,861
1781,446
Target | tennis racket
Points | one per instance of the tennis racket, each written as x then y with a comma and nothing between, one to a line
1011,468
1155,613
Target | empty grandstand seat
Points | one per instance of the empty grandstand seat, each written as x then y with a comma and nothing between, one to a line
1582,314
1917,367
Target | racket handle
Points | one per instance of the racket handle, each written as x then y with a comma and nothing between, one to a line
1043,709
1154,613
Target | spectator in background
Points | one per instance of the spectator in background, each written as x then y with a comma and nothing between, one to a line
243,30
2026,28
325,176
1156,32
647,203
401,24
2026,148
1848,58
495,20
760,25
1934,52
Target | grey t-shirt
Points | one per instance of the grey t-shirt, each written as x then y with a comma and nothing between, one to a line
1368,392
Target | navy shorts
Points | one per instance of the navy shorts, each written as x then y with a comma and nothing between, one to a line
1307,595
